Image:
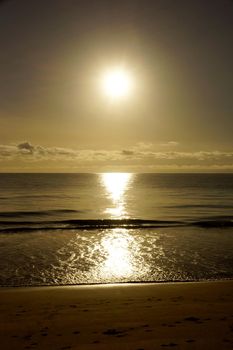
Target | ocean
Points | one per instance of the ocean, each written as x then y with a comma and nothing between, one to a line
62,229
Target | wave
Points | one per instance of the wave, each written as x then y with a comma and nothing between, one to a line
94,224
37,196
213,223
212,206
17,214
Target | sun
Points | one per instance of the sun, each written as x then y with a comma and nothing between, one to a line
117,83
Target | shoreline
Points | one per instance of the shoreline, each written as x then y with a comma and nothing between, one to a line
128,283
132,316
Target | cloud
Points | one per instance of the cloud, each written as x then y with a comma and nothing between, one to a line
27,151
126,152
143,146
141,156
6,151
26,147
169,144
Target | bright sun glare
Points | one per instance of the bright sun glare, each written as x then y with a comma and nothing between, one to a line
117,83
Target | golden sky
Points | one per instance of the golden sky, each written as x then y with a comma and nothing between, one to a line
54,115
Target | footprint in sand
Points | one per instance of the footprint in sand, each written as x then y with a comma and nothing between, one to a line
121,335
226,340
27,337
192,319
169,345
113,331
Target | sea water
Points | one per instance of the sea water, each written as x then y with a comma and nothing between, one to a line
115,227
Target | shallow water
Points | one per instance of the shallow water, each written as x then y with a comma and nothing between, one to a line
115,255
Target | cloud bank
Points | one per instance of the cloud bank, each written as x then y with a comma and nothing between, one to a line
141,157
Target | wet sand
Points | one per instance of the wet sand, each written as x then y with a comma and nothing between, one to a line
128,316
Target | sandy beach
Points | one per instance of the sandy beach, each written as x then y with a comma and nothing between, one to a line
128,316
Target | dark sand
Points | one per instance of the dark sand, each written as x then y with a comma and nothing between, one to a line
129,316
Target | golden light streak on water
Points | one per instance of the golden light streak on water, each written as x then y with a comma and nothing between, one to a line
119,262
116,184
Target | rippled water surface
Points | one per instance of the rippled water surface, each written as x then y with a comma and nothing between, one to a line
115,255
103,228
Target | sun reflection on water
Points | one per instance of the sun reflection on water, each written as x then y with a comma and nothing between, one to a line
119,247
119,258
116,185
